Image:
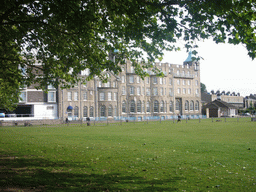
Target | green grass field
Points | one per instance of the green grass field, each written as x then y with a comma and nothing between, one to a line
166,156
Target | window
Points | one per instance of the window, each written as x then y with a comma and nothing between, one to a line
139,106
91,112
162,106
178,82
132,69
156,106
155,91
197,106
114,84
102,110
191,106
23,96
160,80
147,80
154,80
131,79
85,95
131,90
170,81
164,81
171,106
188,82
109,96
143,107
100,83
178,91
143,91
161,91
177,105
196,82
170,92
189,91
138,90
51,96
148,107
110,111
184,91
102,96
115,96
69,96
123,107
123,79
76,111
107,84
132,106
148,91
197,91
184,82
178,72
138,79
90,92
123,90
196,74
85,112
186,105
75,96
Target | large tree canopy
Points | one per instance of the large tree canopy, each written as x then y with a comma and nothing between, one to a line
65,34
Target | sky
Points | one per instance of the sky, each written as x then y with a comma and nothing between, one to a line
224,67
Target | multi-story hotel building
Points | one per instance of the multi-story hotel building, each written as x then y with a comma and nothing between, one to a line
124,95
127,95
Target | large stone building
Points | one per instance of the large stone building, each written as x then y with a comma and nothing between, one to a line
125,95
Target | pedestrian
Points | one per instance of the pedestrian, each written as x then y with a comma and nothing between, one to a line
179,118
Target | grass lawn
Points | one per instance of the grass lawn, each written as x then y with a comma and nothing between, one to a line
166,156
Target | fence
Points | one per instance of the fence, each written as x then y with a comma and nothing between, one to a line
103,121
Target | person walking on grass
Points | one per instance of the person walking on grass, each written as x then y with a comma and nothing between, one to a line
179,118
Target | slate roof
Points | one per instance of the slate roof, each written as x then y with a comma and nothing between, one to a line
220,104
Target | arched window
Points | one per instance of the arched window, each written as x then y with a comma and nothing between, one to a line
171,106
186,105
177,105
156,106
162,106
132,106
148,107
139,106
110,111
102,110
76,111
85,112
91,112
123,107
143,107
197,106
191,106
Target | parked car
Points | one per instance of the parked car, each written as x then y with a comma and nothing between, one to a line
2,115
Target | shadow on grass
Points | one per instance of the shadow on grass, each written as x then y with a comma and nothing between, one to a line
38,174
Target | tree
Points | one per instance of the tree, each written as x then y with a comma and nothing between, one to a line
203,88
77,34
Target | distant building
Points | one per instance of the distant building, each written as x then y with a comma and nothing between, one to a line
250,101
219,108
231,98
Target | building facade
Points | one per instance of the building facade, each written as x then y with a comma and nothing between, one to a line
123,95
127,95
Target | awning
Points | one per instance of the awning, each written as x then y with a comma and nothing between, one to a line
70,108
